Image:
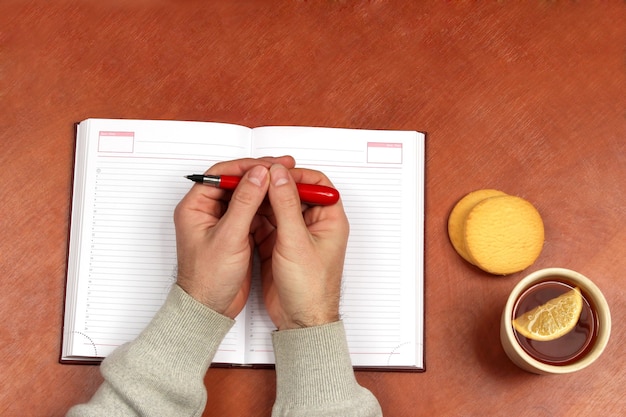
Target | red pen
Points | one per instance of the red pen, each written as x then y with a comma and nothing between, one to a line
309,193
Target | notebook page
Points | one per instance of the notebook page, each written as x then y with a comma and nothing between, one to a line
134,175
259,325
380,175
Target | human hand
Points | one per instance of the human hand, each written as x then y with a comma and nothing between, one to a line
302,253
214,231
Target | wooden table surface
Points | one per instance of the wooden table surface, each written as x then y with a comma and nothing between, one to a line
527,97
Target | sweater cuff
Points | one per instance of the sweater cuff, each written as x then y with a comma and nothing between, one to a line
182,338
313,365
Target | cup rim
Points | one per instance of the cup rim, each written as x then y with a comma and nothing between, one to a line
604,319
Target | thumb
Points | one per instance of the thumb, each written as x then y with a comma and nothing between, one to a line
246,200
285,202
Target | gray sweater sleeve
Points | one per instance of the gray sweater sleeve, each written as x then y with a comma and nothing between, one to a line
315,375
161,373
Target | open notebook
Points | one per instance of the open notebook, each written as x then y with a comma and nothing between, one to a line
129,176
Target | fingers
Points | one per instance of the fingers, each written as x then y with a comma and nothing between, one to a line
249,194
245,201
207,199
285,202
239,166
309,176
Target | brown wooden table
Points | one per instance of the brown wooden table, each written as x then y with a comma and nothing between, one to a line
527,98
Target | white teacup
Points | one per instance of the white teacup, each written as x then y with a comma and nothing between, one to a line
521,357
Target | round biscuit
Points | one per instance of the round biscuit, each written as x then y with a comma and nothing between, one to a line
456,220
503,234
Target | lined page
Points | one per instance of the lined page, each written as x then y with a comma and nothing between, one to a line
380,175
259,325
123,251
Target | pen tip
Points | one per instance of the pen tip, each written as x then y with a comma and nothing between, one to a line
195,177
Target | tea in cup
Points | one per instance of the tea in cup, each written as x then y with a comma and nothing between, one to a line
555,321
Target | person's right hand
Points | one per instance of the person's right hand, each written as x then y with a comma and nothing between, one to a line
302,252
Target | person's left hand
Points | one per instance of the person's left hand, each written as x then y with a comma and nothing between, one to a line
214,231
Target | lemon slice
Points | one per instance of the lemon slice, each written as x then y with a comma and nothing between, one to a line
553,319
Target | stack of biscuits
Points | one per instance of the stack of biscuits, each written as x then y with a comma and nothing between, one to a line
499,233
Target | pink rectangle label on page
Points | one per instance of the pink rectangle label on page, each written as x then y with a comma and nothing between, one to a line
116,142
384,153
